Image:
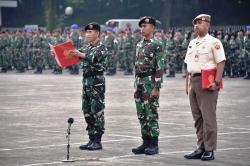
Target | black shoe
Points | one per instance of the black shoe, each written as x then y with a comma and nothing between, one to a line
247,77
85,146
195,154
141,149
153,147
207,155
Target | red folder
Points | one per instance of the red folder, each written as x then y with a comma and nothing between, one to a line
208,77
62,56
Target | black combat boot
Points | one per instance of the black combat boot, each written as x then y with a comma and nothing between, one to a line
247,77
145,144
85,146
153,146
96,144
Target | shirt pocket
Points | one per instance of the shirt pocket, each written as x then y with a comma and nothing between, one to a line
203,51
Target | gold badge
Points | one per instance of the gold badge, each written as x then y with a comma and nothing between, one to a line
211,79
196,58
147,20
90,26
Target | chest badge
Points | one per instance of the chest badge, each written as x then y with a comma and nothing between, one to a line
196,57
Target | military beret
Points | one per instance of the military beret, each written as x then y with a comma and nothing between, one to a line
93,26
74,26
248,28
147,20
203,17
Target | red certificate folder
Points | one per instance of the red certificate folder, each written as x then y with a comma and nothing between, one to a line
208,77
61,52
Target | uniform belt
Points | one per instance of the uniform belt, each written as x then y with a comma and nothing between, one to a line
146,74
194,74
92,73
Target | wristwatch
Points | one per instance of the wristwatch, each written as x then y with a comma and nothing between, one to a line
216,82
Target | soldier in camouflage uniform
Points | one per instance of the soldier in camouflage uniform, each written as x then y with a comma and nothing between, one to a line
170,58
56,39
149,69
225,44
120,52
136,39
247,52
28,49
111,45
19,56
234,56
94,57
127,47
37,52
3,53
74,36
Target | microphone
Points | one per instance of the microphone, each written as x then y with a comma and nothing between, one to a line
70,122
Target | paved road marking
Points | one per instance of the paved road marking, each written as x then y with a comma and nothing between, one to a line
118,140
236,128
127,156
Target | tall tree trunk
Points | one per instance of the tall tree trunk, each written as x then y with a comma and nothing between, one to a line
50,12
166,13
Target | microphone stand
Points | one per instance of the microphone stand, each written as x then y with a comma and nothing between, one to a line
68,145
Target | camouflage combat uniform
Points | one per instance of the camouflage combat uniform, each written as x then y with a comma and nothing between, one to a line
93,66
149,68
247,55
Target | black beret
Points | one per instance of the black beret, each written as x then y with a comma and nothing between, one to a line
93,26
147,20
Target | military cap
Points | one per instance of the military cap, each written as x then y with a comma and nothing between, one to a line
147,20
248,28
203,17
93,26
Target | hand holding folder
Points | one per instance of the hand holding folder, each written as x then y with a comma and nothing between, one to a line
208,77
64,54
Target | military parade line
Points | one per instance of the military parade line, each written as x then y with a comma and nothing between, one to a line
26,49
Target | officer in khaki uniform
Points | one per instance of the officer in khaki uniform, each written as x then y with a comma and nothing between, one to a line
204,52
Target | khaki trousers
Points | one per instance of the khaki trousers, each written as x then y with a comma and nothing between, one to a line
203,106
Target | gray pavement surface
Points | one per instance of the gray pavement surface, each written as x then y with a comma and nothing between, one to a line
34,110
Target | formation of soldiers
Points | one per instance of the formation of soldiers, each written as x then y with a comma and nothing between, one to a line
24,50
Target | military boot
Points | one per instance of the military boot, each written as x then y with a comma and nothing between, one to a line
247,76
85,146
153,146
141,149
96,144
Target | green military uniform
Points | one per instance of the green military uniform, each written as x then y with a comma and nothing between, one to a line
3,53
37,43
56,39
111,45
247,53
149,69
93,93
120,51
74,69
128,54
19,56
225,44
234,56
170,57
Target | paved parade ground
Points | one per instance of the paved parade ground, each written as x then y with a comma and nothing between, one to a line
34,110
